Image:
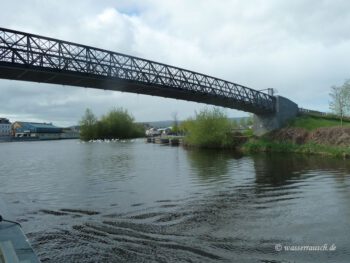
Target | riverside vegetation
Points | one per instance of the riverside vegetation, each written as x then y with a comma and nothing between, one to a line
116,124
305,134
209,129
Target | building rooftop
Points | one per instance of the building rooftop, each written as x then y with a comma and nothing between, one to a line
4,120
38,125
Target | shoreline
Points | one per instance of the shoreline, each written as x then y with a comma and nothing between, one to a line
265,146
327,141
258,145
33,139
324,141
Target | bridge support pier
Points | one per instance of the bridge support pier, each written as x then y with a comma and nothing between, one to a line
285,111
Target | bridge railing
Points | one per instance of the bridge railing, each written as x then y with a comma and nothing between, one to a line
43,52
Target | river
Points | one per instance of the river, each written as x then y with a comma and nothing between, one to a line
137,202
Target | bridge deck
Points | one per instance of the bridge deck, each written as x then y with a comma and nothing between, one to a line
35,58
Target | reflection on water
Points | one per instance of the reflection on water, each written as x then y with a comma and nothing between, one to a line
277,169
210,164
137,202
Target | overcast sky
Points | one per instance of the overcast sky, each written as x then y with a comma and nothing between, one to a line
300,48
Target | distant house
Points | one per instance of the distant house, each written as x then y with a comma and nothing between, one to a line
5,127
164,130
152,132
41,131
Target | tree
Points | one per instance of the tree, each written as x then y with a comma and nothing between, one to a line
186,126
211,128
175,128
340,100
88,126
116,124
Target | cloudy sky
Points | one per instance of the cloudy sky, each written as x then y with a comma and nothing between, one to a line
300,48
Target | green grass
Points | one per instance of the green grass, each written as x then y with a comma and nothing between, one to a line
311,123
264,145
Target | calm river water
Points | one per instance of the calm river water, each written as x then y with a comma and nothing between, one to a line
138,202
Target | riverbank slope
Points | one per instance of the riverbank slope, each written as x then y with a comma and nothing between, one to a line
306,134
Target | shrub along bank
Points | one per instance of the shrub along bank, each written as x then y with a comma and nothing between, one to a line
210,128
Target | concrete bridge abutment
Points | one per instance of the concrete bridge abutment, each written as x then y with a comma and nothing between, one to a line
285,111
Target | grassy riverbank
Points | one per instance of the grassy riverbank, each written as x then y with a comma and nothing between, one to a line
305,135
257,145
312,122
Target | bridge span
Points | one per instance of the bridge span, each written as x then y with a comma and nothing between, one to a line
29,57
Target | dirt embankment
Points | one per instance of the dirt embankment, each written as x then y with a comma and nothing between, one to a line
335,136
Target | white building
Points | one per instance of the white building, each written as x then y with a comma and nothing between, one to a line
5,127
152,132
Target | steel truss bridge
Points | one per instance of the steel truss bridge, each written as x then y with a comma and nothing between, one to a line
29,57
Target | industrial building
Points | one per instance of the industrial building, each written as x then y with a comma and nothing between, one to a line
33,130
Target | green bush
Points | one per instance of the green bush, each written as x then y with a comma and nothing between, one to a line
117,124
209,129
